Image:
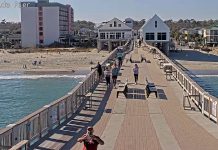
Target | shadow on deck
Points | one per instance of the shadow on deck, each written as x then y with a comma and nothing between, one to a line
65,136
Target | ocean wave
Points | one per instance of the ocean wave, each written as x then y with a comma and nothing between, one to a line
33,77
215,75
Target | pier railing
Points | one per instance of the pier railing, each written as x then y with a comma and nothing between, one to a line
38,124
205,102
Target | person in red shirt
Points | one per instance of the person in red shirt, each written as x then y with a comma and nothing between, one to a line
90,140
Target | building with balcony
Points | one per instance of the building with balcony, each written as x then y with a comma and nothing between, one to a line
155,32
211,35
44,22
113,34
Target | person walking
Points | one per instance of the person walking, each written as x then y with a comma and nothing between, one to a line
115,72
90,140
120,57
99,70
136,73
107,74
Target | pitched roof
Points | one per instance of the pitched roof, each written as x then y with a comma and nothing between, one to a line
155,17
107,27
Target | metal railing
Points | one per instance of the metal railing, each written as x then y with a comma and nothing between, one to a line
205,102
38,124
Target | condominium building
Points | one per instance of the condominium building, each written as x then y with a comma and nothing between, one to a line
211,35
44,22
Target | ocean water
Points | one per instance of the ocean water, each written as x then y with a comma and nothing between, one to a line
21,95
207,79
208,83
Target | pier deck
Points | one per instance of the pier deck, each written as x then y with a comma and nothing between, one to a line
138,122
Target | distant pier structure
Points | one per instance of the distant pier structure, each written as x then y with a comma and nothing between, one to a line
113,34
156,33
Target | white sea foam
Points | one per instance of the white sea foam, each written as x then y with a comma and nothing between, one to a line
215,75
33,77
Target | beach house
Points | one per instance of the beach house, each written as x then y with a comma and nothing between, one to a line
112,34
155,32
211,35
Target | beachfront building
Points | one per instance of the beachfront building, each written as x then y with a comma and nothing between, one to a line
211,36
113,34
155,32
44,22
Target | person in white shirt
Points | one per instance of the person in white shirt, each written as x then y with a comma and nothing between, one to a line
136,73
107,74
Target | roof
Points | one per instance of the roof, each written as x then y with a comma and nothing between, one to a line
107,25
213,27
156,18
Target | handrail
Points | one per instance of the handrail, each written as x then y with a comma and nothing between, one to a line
40,122
20,145
205,102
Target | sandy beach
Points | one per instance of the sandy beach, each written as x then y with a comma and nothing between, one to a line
49,62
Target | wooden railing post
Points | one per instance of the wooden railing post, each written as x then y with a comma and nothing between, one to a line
202,101
40,127
58,114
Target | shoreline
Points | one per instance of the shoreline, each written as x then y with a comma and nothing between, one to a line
46,72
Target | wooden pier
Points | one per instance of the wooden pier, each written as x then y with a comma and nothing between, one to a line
130,121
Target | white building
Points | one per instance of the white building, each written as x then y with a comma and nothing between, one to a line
113,34
155,32
211,36
43,23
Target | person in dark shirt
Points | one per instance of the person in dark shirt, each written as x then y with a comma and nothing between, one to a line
99,70
90,140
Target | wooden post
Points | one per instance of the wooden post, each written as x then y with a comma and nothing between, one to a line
202,100
40,127
58,114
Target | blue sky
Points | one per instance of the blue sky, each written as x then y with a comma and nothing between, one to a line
103,10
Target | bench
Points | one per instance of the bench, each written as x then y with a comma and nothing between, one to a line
187,98
143,58
122,89
150,88
88,99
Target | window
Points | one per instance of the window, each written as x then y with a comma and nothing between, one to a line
40,18
123,35
102,35
118,35
41,41
112,35
107,35
155,24
162,36
40,24
40,28
115,24
149,36
110,25
119,25
41,33
40,13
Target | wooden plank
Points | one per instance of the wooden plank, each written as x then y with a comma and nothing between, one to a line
19,145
